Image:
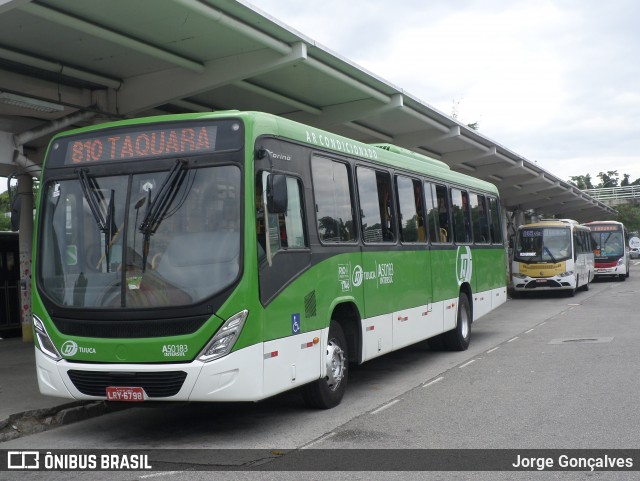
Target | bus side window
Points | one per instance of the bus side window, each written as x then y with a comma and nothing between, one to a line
461,217
286,231
442,196
410,211
496,231
432,213
333,198
374,188
479,219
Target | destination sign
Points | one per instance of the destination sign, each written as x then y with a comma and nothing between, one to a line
604,228
141,144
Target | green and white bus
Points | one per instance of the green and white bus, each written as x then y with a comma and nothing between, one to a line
231,256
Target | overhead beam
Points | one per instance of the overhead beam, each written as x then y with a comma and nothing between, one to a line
191,106
7,5
347,112
558,201
251,87
268,41
488,169
530,189
368,131
95,30
538,183
473,153
177,83
59,68
427,136
212,13
425,119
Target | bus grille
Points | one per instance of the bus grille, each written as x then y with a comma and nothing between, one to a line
155,384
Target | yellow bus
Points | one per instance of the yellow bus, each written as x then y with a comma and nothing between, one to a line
552,255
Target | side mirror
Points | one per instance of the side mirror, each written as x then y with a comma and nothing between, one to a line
277,194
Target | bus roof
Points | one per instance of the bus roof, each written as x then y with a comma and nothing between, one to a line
553,223
610,222
269,124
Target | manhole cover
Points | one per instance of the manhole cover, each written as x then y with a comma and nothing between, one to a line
581,340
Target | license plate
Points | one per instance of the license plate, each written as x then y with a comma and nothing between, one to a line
126,394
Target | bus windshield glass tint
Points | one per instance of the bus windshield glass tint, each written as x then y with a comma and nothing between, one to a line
608,244
543,245
144,240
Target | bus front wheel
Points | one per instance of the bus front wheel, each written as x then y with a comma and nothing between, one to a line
327,392
458,339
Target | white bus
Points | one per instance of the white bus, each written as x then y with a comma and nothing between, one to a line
610,241
551,255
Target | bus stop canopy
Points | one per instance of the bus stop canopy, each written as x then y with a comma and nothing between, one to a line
66,63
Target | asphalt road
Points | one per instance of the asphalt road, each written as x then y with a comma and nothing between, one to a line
546,372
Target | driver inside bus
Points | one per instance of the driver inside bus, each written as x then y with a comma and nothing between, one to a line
614,247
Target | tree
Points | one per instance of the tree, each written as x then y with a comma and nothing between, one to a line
582,182
629,215
5,205
608,179
5,210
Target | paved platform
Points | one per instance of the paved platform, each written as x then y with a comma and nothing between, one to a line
19,391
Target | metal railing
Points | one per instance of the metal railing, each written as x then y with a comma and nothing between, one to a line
615,193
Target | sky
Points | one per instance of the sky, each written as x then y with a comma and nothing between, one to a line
555,81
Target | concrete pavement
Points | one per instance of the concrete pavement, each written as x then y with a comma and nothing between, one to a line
23,410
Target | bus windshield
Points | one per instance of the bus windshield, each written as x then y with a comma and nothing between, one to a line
543,244
608,244
152,239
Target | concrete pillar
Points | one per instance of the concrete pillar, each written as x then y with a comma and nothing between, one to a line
25,241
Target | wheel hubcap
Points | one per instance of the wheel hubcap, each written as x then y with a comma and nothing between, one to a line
335,365
464,323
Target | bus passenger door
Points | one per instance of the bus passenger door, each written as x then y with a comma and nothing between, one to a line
283,259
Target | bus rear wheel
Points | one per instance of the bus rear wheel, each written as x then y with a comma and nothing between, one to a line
458,339
327,392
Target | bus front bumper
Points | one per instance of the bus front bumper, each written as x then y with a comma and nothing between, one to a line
528,284
235,377
609,271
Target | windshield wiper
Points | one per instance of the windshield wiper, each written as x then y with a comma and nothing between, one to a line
553,259
104,219
158,207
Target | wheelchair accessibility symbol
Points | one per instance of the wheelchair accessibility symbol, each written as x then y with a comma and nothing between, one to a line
295,323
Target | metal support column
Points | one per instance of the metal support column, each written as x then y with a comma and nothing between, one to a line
25,191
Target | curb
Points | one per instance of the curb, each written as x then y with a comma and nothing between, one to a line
39,420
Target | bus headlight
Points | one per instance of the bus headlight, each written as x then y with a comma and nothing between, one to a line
566,274
517,275
621,261
44,341
225,338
